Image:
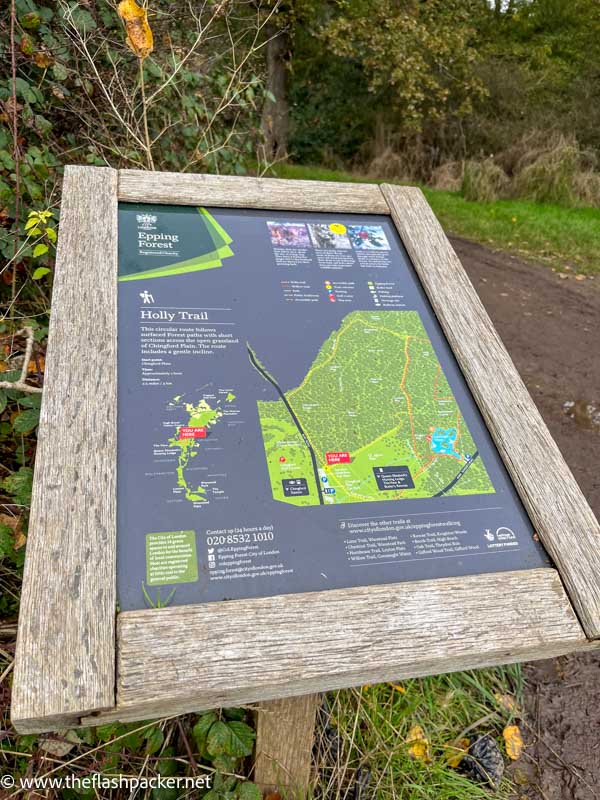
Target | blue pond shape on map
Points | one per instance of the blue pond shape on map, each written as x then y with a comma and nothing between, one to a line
442,442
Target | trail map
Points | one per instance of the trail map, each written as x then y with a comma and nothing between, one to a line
374,397
201,417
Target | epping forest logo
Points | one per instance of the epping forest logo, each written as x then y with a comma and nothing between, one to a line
147,222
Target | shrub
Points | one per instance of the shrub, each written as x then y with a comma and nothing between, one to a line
448,176
483,181
389,165
549,177
586,186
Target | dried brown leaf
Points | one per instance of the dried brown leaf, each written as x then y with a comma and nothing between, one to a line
139,33
43,60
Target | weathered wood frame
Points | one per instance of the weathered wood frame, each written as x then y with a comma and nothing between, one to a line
75,666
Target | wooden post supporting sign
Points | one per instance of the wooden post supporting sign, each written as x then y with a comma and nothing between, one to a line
284,743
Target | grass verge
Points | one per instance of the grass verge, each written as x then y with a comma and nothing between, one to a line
369,727
557,236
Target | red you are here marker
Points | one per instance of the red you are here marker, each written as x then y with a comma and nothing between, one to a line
338,458
192,433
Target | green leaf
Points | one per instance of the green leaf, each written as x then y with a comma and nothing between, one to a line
26,421
30,21
60,72
40,272
107,732
154,740
225,763
51,234
218,739
163,793
231,738
30,400
40,250
3,400
202,727
133,741
222,788
19,484
7,542
234,713
32,221
242,738
248,791
168,766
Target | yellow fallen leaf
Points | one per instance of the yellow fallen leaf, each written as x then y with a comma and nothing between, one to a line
20,540
139,33
36,364
398,688
513,741
506,701
456,751
42,60
419,745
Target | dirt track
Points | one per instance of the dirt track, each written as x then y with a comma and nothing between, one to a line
551,328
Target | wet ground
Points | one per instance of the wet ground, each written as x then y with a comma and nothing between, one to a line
551,327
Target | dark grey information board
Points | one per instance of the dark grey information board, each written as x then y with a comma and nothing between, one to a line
291,417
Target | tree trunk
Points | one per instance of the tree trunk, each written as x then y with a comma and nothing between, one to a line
275,116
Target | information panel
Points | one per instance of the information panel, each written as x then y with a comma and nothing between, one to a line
291,417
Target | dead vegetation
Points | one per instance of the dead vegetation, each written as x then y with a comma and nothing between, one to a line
541,167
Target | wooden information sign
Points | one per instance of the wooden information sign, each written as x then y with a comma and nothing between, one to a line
282,450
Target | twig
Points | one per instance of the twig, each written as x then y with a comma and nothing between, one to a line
477,724
188,749
145,117
7,671
21,384
16,154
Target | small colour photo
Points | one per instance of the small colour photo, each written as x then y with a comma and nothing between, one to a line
368,237
288,234
326,236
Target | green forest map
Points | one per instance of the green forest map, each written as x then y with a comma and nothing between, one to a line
376,391
200,415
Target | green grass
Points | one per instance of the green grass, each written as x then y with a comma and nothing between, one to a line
373,722
558,236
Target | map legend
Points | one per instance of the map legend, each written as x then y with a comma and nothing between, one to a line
374,295
386,294
341,291
299,292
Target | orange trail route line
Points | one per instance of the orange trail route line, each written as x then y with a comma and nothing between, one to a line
407,396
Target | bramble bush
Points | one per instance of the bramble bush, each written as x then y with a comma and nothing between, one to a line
76,88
